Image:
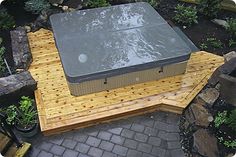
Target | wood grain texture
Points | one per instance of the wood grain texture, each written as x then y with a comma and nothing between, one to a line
59,111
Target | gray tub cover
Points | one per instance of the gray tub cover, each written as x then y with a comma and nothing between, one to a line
104,42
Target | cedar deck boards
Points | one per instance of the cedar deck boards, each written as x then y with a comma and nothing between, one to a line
59,111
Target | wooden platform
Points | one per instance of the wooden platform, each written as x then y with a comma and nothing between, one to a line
59,111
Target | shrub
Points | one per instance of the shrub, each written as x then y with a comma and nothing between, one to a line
97,3
214,43
231,28
153,3
220,119
36,6
2,51
186,15
6,20
231,120
209,8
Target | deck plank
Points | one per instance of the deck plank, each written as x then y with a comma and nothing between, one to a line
59,111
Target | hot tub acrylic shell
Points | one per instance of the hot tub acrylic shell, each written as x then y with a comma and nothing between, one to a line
111,47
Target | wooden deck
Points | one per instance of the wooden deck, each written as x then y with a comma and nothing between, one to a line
59,111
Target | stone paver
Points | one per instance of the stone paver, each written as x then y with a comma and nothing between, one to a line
150,135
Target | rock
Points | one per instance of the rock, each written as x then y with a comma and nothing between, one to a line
56,1
55,4
205,143
229,56
43,20
17,82
198,115
228,88
28,29
65,8
71,9
220,22
226,68
208,96
20,48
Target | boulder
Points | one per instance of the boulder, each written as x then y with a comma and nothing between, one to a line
20,48
229,56
226,68
205,143
198,115
208,96
15,83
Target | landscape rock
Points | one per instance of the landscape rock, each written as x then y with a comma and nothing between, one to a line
220,22
198,115
226,68
65,8
229,56
20,48
228,88
208,96
17,82
42,20
205,143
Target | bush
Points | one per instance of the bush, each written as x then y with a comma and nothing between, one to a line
36,6
186,15
231,120
6,20
231,28
97,3
209,8
2,51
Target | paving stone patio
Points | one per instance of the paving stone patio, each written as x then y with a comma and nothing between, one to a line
150,135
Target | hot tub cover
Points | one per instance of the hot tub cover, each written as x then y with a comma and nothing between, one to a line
104,42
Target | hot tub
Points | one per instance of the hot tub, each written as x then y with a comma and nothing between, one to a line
116,46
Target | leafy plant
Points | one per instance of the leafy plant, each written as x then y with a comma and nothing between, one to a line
220,119
214,42
6,20
23,115
97,3
36,6
185,15
153,3
231,120
232,43
203,46
231,27
209,8
2,51
26,115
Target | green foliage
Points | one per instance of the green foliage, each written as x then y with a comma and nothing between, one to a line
232,43
11,113
203,46
36,6
98,3
2,64
25,115
185,15
227,143
209,8
6,20
231,120
153,3
220,119
231,28
214,43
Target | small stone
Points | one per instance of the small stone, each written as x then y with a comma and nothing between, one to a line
55,4
208,96
210,119
184,27
205,143
198,115
229,56
71,9
65,8
220,22
28,29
